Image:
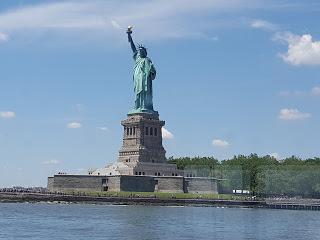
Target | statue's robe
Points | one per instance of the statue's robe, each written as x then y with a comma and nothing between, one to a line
144,73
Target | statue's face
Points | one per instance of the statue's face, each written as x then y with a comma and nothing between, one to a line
142,52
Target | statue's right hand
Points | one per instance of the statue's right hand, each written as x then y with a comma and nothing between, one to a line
129,30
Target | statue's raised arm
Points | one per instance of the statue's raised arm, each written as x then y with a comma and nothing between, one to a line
133,46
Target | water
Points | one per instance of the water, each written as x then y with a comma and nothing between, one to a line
81,221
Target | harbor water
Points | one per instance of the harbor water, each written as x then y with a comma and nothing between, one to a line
85,221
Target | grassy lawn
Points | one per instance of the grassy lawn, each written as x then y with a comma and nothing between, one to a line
163,195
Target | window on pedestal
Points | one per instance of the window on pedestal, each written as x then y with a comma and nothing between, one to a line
151,131
156,131
147,131
134,131
128,131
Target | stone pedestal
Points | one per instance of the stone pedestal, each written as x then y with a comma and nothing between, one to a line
141,166
142,140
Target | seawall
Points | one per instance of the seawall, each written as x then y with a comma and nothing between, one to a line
152,200
38,197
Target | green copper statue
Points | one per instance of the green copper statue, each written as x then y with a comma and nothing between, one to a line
143,74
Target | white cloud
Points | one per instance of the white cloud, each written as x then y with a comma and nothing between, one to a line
51,162
74,125
292,114
103,128
261,24
4,37
166,134
7,115
220,143
158,19
115,24
292,93
302,50
68,14
315,91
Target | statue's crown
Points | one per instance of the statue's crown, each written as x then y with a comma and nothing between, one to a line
141,46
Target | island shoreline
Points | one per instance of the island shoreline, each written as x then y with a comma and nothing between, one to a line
9,197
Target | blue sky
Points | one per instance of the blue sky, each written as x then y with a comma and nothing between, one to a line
234,77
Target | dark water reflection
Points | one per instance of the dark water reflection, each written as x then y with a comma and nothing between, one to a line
51,221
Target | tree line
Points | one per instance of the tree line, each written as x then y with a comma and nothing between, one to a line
261,175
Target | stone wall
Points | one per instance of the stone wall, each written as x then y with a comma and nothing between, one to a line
137,183
201,185
169,184
50,183
64,183
76,183
131,183
113,183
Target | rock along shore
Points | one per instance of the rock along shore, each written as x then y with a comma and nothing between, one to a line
16,197
56,198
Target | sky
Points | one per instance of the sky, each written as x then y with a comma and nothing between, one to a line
233,77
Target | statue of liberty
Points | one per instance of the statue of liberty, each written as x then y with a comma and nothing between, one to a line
143,74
